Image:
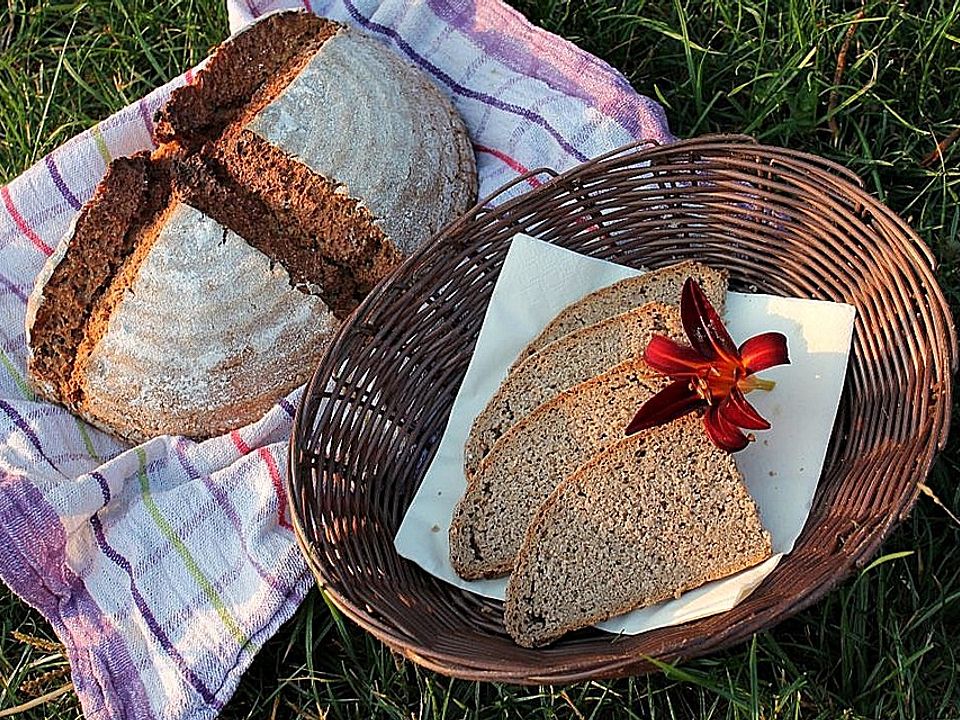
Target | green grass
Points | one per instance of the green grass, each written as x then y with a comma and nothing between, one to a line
883,644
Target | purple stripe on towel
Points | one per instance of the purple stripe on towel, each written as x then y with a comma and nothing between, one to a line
460,89
59,183
288,407
13,288
514,52
33,564
145,116
25,428
154,627
561,65
120,561
491,28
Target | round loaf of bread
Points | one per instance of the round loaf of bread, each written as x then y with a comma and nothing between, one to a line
203,281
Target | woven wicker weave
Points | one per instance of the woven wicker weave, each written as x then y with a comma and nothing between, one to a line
782,222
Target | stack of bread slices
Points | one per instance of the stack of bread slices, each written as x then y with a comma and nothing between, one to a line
587,522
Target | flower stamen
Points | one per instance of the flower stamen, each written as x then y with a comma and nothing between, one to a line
702,388
755,383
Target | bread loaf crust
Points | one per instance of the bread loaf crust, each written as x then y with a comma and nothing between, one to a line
141,387
78,274
213,177
266,55
416,128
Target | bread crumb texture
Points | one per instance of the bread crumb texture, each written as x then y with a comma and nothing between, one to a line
652,516
532,458
660,286
563,363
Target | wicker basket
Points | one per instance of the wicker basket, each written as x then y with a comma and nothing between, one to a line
782,222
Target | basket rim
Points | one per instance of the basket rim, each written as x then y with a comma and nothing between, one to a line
451,664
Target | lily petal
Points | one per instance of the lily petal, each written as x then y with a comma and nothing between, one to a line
670,358
703,325
764,351
675,400
725,434
737,409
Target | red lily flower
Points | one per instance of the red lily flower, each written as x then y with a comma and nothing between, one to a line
711,373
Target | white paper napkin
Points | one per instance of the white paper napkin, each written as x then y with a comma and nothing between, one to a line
781,468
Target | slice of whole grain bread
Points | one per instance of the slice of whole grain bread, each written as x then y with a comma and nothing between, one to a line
527,463
662,285
572,359
651,516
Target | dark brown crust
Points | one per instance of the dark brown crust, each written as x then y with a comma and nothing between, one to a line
279,206
142,236
333,223
274,49
295,218
132,193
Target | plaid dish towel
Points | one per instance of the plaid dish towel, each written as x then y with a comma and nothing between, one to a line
164,567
